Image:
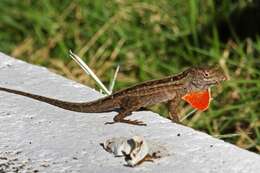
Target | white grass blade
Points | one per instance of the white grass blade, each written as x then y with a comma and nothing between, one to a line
189,114
88,71
227,135
112,84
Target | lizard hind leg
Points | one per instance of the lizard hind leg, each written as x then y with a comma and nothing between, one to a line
128,107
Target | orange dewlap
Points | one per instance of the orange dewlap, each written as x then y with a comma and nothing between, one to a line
199,100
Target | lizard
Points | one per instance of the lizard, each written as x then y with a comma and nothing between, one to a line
169,90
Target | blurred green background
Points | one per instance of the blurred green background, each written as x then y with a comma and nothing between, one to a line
149,39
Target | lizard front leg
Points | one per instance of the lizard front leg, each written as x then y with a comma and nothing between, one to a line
128,105
173,109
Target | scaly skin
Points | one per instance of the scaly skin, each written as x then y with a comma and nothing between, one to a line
169,89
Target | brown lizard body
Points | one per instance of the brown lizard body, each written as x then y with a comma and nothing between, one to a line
169,89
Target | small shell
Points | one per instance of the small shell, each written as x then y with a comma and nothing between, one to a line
139,150
135,150
116,146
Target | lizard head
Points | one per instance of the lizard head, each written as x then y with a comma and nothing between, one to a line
202,78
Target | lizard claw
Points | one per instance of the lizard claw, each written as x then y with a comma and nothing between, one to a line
113,122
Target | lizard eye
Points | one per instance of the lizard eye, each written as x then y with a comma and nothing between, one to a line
206,74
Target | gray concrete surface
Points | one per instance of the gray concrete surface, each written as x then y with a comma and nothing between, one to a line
35,136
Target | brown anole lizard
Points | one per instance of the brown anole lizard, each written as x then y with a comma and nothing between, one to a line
169,89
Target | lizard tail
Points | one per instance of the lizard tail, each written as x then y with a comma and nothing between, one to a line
101,105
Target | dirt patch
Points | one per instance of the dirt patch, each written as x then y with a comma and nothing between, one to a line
9,162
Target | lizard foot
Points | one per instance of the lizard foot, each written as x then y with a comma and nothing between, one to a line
133,122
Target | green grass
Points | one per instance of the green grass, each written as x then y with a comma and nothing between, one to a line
149,39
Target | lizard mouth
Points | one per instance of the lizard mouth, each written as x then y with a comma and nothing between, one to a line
212,83
218,81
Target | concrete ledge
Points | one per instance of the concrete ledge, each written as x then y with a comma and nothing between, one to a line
35,136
